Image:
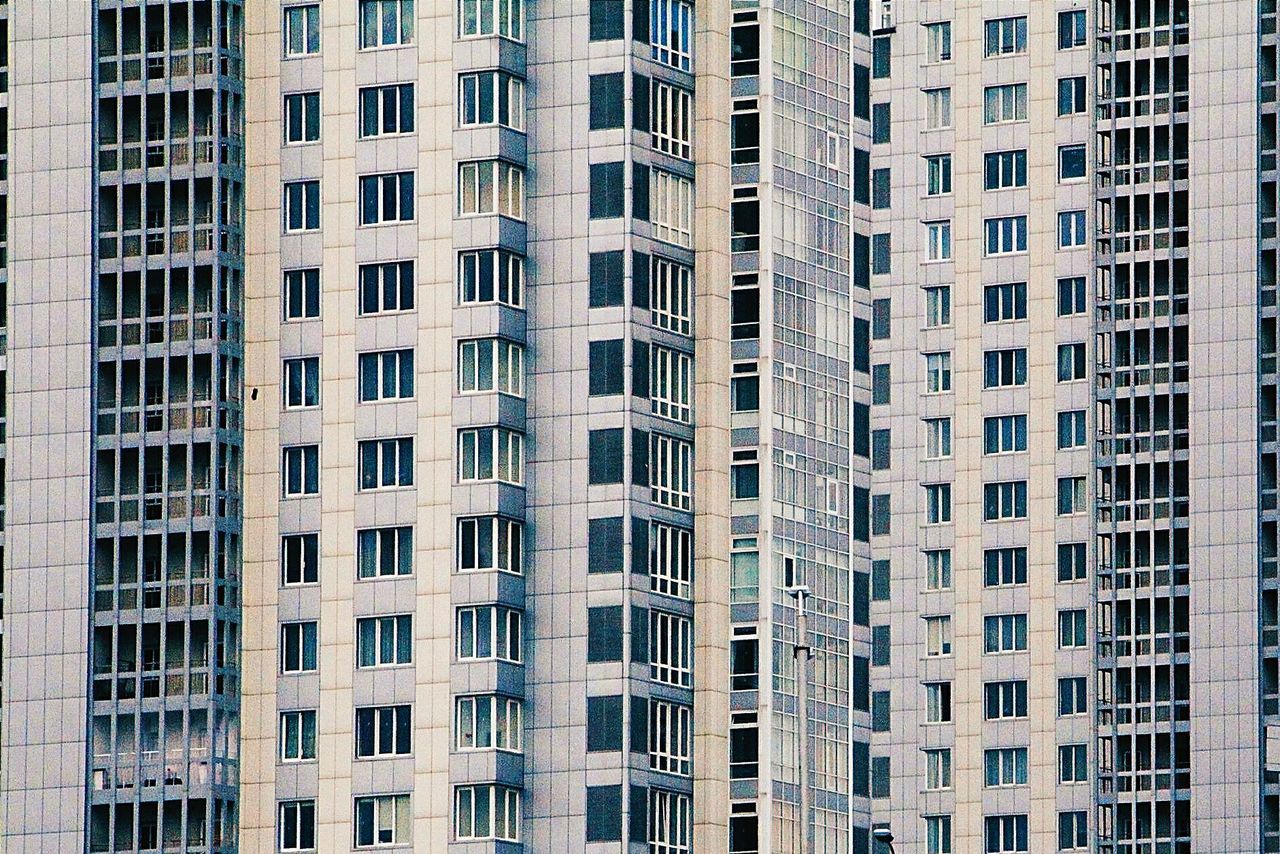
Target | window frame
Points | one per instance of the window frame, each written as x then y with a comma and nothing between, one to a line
383,375
300,294
505,725
375,284
404,32
404,120
505,87
308,120
507,20
505,630
506,455
382,206
400,824
1004,36
392,548
502,373
309,20
384,640
1004,103
302,206
295,727
373,456
396,735
505,546
300,383
499,193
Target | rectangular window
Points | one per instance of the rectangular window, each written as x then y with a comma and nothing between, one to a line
298,823
671,472
478,18
384,641
1071,562
937,635
1005,235
881,123
386,110
1073,632
301,30
1071,229
302,382
671,207
301,294
939,168
298,736
1073,495
386,463
488,722
299,559
383,552
386,287
1072,362
671,32
937,370
1071,29
1073,696
937,306
301,118
1071,296
1006,36
939,240
744,45
670,822
670,559
1073,827
383,820
1004,500
386,198
744,660
1007,103
1071,96
491,364
937,503
298,647
301,206
744,570
490,542
744,132
937,764
671,295
387,375
937,38
744,388
487,811
489,632
744,307
937,831
937,564
881,57
1005,700
1002,567
1004,169
937,108
491,275
937,696
671,737
670,383
384,731
1071,162
1007,301
1004,633
744,474
1073,763
1004,434
385,23
300,471
1006,834
490,187
1006,766
1004,368
670,649
491,453
491,98
671,119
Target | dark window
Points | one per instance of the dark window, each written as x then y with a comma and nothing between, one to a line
861,514
640,187
880,310
604,456
638,815
880,188
861,429
744,829
861,345
880,449
880,515
861,261
606,101
880,252
640,102
861,598
607,193
861,92
640,369
880,123
862,17
604,723
604,633
606,20
604,545
384,731
604,813
745,393
605,367
744,131
606,278
880,580
1071,162
744,664
880,777
745,46
880,61
880,711
861,682
880,643
879,384
744,214
744,320
861,176
859,767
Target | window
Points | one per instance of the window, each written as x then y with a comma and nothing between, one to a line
301,30
881,57
670,383
745,45
670,820
1073,495
491,275
670,649
744,132
1071,296
1073,827
937,306
1071,229
1006,766
1072,629
671,738
671,32
298,647
489,632
302,382
744,660
298,824
384,731
937,108
1071,96
937,370
301,117
1006,36
386,110
881,254
1004,566
490,364
298,735
1004,434
387,375
488,723
671,207
937,503
744,745
1004,302
881,123
671,295
301,206
504,18
1073,763
671,472
1071,429
487,811
939,240
937,564
1003,368
937,635
383,820
301,294
937,769
299,559
490,542
1071,562
1073,696
386,23
744,219
881,189
1004,500
384,641
491,453
1004,169
1005,699
1007,103
1004,633
1006,234
1006,833
1071,29
937,696
744,388
491,97
937,39
744,474
606,108
490,187
386,463
300,473
937,831
1071,362
939,168
384,552
670,559
386,287
744,308
1071,162
386,198
671,119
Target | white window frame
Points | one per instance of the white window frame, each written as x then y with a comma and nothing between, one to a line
505,90
1003,687
391,373
937,503
383,280
1001,820
1010,500
291,824
1010,366
938,702
301,383
1072,86
670,737
306,460
937,36
391,821
937,438
387,106
670,471
670,648
938,114
1072,229
1073,628
387,634
298,199
385,726
500,537
1003,170
506,633
1069,767
938,173
301,30
1009,433
302,634
298,736
298,288
505,450
1004,302
670,383
488,722
1005,36
670,819
385,552
1003,633
670,295
389,198
503,284
305,107
671,207
1006,102
1009,563
374,17
1075,491
671,25
670,560
389,464
1007,766
1005,235
938,240
490,364
1075,422
938,834
299,559
1070,368
671,119
937,311
937,776
938,636
506,19
503,811
937,368
490,187
937,569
